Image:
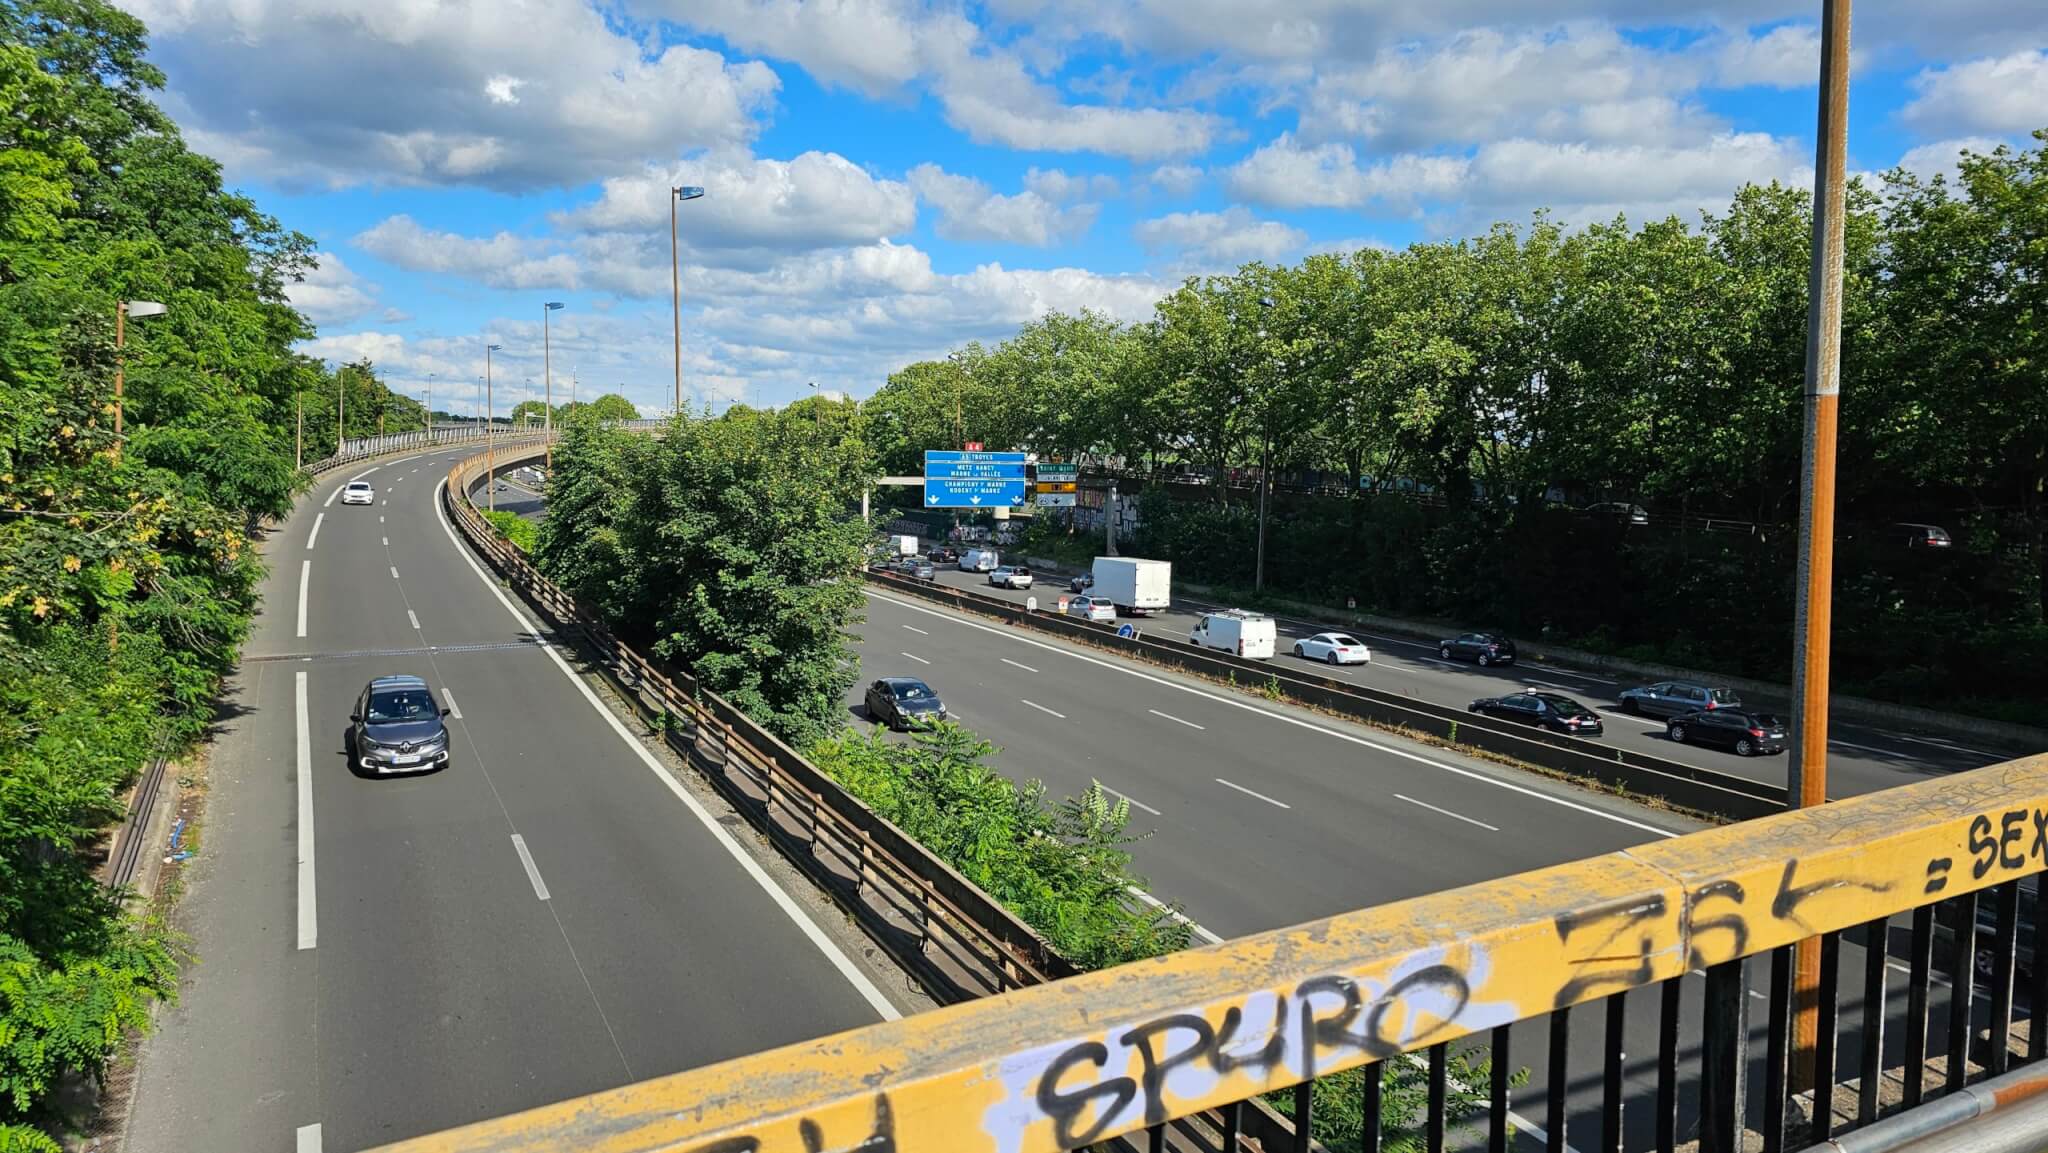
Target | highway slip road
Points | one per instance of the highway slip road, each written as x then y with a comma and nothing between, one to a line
1860,759
1266,815
549,916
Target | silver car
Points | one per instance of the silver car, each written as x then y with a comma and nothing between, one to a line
1676,698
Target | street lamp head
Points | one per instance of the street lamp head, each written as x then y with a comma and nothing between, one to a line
552,305
493,347
139,308
687,192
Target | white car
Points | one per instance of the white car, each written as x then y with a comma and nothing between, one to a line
1089,608
358,492
1336,648
1011,576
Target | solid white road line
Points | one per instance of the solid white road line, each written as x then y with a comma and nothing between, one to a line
1548,685
1297,722
795,912
1250,793
394,572
305,578
1193,926
1951,746
1448,813
1863,748
540,888
409,614
1015,665
1135,802
309,1139
915,657
309,920
1043,709
318,520
1174,719
454,710
1440,661
918,631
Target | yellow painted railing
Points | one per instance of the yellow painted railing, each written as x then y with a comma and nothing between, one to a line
1057,1066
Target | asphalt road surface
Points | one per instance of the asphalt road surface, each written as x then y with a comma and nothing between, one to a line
1261,816
1860,759
547,917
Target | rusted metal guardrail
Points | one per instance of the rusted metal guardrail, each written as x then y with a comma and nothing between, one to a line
955,938
1191,1036
1675,782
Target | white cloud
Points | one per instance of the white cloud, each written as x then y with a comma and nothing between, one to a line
1787,56
1054,184
816,199
500,261
872,46
2005,94
332,293
1939,158
969,210
510,94
1284,174
1226,238
1176,179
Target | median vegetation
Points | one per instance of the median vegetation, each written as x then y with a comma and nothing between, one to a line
522,533
1462,403
127,569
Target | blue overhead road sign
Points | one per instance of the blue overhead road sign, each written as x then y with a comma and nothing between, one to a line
973,479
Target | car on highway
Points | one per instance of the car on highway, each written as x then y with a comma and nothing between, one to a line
1485,648
1622,511
397,727
943,555
1088,608
1671,698
924,572
904,703
1745,733
1082,583
909,565
358,492
1333,648
1925,535
980,560
1553,711
1010,577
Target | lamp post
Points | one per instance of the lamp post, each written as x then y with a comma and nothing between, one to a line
490,433
1265,466
547,372
675,277
430,408
122,311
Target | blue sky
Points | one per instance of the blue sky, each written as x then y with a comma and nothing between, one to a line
891,178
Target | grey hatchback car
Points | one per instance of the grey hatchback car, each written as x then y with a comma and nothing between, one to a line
397,728
1676,698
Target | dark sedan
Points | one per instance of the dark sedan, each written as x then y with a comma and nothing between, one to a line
1747,733
1082,583
1485,648
903,703
1559,714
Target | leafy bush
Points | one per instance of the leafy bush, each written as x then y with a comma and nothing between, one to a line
1337,1101
513,527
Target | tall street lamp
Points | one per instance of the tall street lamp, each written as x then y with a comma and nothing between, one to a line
122,311
490,433
430,408
547,373
1265,465
675,277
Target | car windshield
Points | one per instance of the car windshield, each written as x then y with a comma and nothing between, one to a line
1765,720
359,485
391,705
1344,641
912,691
1564,705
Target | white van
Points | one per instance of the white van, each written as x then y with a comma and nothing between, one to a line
980,560
1237,632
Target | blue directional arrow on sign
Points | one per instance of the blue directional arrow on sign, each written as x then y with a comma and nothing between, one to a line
973,479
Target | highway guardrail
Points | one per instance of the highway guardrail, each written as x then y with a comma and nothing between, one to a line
1177,1046
959,941
1673,782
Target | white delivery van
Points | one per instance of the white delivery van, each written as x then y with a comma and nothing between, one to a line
1237,632
906,545
1137,587
980,560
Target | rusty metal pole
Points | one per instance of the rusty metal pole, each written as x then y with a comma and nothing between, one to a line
1807,775
675,291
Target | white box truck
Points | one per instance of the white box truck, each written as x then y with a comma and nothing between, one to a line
906,544
1239,633
1137,587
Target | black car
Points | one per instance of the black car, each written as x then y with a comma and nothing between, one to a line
1559,714
1486,648
1746,732
397,728
1082,583
944,556
902,702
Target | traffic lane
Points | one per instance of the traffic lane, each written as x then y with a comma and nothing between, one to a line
690,958
1860,760
446,993
1360,825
